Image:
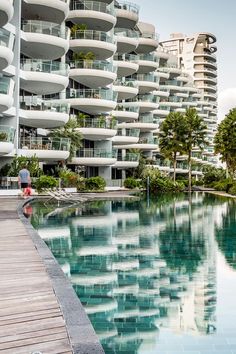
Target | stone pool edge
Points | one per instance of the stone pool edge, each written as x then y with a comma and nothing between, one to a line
81,333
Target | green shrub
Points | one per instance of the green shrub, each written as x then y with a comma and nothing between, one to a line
232,190
95,184
160,183
44,182
212,175
224,185
68,178
18,162
131,183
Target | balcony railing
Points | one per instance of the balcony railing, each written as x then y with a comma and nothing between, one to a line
43,27
92,6
128,132
145,77
149,57
123,32
124,5
142,98
97,123
148,141
103,94
126,57
129,156
7,134
4,37
146,119
100,153
126,82
127,109
93,35
149,35
45,143
93,64
37,104
4,85
45,66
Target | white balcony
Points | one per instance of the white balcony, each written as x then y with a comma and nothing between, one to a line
129,160
38,113
96,129
6,11
145,103
144,144
45,149
7,135
101,44
53,11
125,113
148,42
93,73
92,101
147,63
125,89
43,77
127,40
162,111
44,40
127,14
94,157
6,93
126,136
6,45
146,83
144,124
94,14
126,64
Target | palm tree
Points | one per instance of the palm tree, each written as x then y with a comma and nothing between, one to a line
195,136
69,130
171,137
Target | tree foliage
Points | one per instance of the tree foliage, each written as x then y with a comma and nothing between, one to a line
225,141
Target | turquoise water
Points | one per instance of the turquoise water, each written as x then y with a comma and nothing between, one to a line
154,276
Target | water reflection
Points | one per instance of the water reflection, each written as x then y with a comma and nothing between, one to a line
145,273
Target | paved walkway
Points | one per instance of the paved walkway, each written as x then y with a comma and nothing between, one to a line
30,316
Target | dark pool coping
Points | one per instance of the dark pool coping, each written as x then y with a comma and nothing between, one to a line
82,336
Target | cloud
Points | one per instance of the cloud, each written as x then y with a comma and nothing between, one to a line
226,101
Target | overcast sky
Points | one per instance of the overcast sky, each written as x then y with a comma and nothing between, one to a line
191,16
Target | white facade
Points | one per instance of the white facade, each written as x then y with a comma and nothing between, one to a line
95,61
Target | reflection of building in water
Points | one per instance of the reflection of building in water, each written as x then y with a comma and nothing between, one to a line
138,269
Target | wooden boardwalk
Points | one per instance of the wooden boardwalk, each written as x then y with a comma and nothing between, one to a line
30,316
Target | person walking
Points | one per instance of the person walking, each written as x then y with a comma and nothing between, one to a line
24,180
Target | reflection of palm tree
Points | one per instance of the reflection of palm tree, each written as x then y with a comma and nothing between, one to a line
225,234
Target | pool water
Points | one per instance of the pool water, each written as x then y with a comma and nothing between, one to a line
154,276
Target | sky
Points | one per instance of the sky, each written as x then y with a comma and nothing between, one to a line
191,16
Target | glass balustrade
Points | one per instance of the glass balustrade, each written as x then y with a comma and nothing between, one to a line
149,57
4,85
92,6
4,37
126,82
128,6
93,64
97,123
43,27
148,140
149,35
45,143
126,57
146,119
128,132
127,109
7,134
45,66
104,94
100,153
129,156
92,35
38,104
123,32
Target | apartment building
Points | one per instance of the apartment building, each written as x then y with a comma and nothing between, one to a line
95,61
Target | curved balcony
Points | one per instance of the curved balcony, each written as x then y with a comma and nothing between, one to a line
145,103
6,92
94,157
127,14
44,40
99,43
97,128
7,135
6,11
161,93
92,101
144,124
38,113
44,77
162,111
94,14
53,11
144,144
6,45
207,88
45,148
125,113
126,136
125,89
129,160
93,73
148,42
147,63
126,64
127,40
202,69
146,83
